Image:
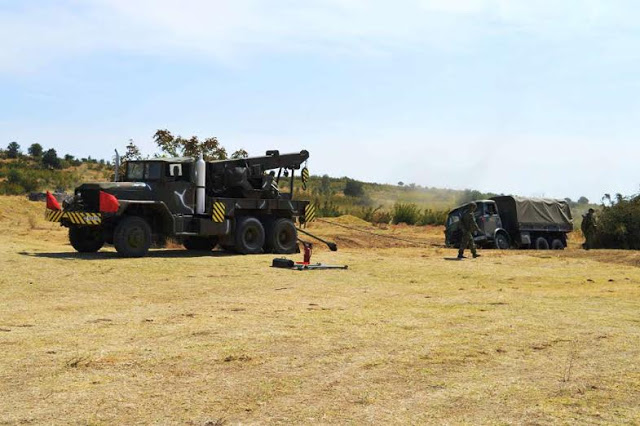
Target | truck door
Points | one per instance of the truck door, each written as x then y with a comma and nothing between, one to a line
176,188
490,219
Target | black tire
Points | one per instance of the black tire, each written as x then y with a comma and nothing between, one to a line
132,237
542,243
249,236
86,239
557,244
282,237
200,243
502,241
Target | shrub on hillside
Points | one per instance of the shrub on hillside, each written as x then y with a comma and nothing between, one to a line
353,188
327,209
382,217
433,217
406,213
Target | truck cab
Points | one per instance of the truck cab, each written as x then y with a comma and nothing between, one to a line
488,219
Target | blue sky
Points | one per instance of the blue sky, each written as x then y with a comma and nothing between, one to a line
535,98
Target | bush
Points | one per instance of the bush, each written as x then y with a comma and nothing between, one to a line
619,224
328,209
353,188
406,213
433,217
382,217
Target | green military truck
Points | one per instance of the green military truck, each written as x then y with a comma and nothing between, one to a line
237,204
515,222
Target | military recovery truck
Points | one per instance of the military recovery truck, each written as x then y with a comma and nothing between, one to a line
515,222
235,203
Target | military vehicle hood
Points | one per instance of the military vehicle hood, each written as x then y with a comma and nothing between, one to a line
121,190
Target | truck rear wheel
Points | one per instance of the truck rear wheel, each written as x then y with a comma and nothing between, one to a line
200,243
502,242
282,237
557,244
542,243
249,236
132,237
86,239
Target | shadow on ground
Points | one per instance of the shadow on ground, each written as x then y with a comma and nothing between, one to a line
172,254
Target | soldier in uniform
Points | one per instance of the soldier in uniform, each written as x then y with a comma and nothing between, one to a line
468,226
589,227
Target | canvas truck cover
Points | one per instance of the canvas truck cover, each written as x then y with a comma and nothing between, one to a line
534,214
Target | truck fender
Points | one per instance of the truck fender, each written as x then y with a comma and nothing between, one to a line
501,231
155,209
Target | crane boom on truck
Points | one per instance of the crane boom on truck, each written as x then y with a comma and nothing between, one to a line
235,203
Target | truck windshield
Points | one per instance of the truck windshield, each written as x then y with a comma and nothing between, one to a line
144,171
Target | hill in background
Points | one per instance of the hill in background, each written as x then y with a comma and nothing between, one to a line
377,203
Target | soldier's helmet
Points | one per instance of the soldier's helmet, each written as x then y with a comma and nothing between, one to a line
592,211
473,206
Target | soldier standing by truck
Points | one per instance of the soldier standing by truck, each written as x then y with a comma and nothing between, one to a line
589,227
468,226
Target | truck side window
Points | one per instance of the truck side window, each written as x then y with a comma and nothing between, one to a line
492,210
153,171
175,170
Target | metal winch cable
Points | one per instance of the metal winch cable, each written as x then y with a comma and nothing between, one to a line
390,237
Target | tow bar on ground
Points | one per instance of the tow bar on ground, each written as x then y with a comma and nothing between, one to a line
306,264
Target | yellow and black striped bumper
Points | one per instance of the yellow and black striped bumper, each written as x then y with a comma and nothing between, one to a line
75,218
218,212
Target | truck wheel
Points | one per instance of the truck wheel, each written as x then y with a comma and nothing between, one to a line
132,237
86,239
249,236
200,243
557,244
282,237
542,243
502,242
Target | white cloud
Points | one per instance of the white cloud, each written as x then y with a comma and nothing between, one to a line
33,35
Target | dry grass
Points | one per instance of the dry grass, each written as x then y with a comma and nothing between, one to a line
403,336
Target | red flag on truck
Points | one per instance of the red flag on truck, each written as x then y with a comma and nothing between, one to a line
52,203
108,203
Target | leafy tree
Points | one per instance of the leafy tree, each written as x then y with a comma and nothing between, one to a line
353,188
13,150
177,146
50,159
401,183
583,200
132,152
35,150
241,153
470,195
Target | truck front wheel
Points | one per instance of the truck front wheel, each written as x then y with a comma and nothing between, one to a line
132,237
557,244
502,242
86,239
249,236
282,237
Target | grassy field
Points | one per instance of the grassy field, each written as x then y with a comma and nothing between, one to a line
403,336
